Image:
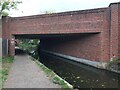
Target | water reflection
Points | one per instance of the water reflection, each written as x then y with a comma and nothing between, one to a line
80,75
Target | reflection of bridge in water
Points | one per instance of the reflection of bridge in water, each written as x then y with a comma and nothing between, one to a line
89,34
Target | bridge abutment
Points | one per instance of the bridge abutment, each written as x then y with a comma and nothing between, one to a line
12,46
115,31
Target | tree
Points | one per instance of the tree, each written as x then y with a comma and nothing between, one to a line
6,5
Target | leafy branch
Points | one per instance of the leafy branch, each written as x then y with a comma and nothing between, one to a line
6,5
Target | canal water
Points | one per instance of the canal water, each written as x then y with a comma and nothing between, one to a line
80,75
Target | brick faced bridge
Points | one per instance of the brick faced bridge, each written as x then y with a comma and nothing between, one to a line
90,34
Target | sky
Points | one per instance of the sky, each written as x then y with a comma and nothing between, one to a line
35,7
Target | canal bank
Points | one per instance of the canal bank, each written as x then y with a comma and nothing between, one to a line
99,65
80,75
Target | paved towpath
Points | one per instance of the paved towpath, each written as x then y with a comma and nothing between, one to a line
24,73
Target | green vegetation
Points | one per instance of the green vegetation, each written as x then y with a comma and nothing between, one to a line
0,79
54,77
113,64
0,73
30,46
27,46
6,5
6,63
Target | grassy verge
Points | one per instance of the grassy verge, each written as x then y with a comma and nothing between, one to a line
6,63
54,77
113,64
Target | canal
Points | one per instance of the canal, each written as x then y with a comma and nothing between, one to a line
80,75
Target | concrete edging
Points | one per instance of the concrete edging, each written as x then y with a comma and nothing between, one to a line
99,65
84,61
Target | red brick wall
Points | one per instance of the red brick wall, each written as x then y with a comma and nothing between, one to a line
94,47
6,33
5,27
115,30
119,31
103,21
105,37
85,46
84,21
70,22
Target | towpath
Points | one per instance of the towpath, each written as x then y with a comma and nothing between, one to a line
24,73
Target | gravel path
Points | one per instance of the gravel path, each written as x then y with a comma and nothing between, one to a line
24,73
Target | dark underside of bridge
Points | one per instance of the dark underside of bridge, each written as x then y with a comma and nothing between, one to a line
81,45
47,36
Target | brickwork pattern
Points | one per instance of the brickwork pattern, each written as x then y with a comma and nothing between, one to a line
102,26
119,30
85,46
115,29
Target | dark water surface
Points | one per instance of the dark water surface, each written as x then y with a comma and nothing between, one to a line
80,75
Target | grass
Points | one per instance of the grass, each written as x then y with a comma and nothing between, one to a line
0,79
114,63
6,63
54,77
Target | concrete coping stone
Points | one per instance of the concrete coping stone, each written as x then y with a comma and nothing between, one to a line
100,65
84,61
